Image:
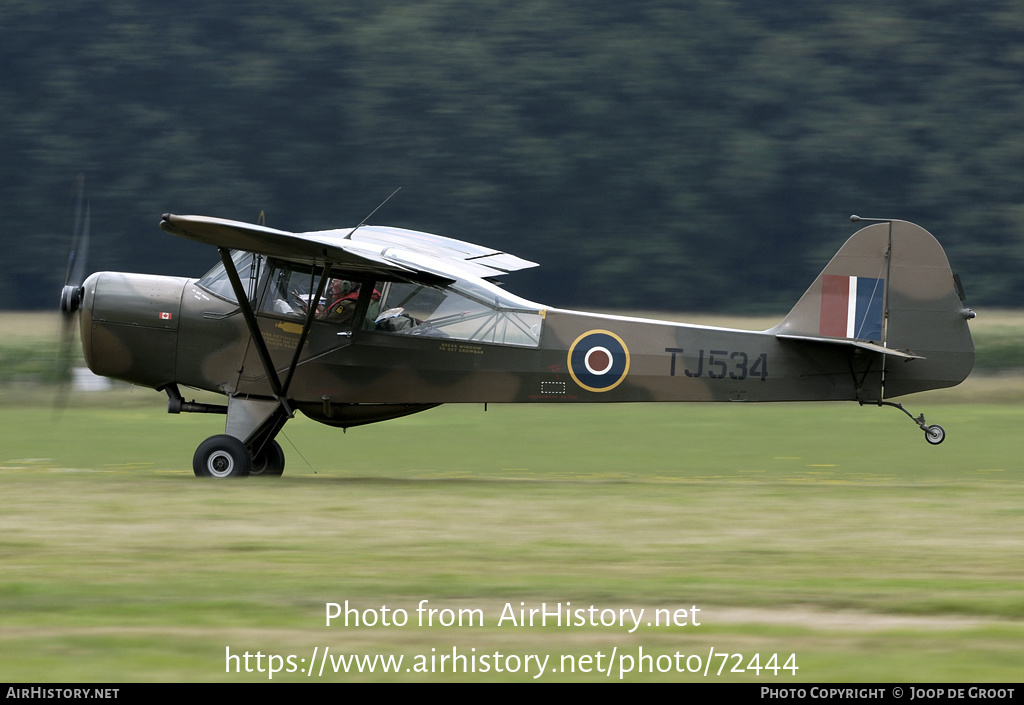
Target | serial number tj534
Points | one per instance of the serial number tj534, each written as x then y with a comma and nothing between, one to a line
722,364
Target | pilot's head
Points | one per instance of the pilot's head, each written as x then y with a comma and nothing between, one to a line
339,287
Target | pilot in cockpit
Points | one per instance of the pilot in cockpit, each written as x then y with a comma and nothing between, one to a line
343,296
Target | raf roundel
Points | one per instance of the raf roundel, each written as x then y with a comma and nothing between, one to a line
598,360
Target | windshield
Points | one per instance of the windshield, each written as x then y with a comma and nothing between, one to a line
216,280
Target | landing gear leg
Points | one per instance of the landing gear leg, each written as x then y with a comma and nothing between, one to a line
934,434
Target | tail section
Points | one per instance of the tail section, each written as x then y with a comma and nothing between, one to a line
889,290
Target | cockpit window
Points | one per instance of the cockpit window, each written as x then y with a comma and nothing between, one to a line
344,300
216,280
476,313
292,291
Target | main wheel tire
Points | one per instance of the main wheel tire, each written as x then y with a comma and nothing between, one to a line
220,457
268,461
935,435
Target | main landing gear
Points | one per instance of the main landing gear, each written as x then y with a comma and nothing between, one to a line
224,456
256,420
934,434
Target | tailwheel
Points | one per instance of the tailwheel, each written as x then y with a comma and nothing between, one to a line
222,456
935,435
268,461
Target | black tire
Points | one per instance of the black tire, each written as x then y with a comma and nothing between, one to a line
222,457
269,461
935,435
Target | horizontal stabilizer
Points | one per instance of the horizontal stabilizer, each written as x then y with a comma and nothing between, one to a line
863,344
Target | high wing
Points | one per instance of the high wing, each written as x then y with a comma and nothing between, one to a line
382,250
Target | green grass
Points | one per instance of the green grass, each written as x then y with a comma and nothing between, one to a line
826,530
830,531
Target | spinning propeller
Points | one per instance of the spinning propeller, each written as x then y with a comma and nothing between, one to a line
71,294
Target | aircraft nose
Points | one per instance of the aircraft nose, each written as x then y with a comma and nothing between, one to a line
130,326
71,298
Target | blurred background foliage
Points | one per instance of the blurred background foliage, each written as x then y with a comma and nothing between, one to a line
653,155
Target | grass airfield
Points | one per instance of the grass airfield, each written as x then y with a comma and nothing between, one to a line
829,531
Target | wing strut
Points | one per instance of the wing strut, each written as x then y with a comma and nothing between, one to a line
250,321
306,326
280,390
253,421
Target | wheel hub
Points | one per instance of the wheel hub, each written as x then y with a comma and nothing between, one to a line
221,464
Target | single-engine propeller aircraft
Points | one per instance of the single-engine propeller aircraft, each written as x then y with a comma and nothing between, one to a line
366,324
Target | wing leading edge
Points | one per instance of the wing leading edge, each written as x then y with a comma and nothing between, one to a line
383,250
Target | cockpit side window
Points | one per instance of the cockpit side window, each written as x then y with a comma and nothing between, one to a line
292,290
443,312
348,300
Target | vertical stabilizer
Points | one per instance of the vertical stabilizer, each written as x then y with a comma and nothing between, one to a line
891,285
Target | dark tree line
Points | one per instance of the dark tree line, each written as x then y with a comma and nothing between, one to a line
655,155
